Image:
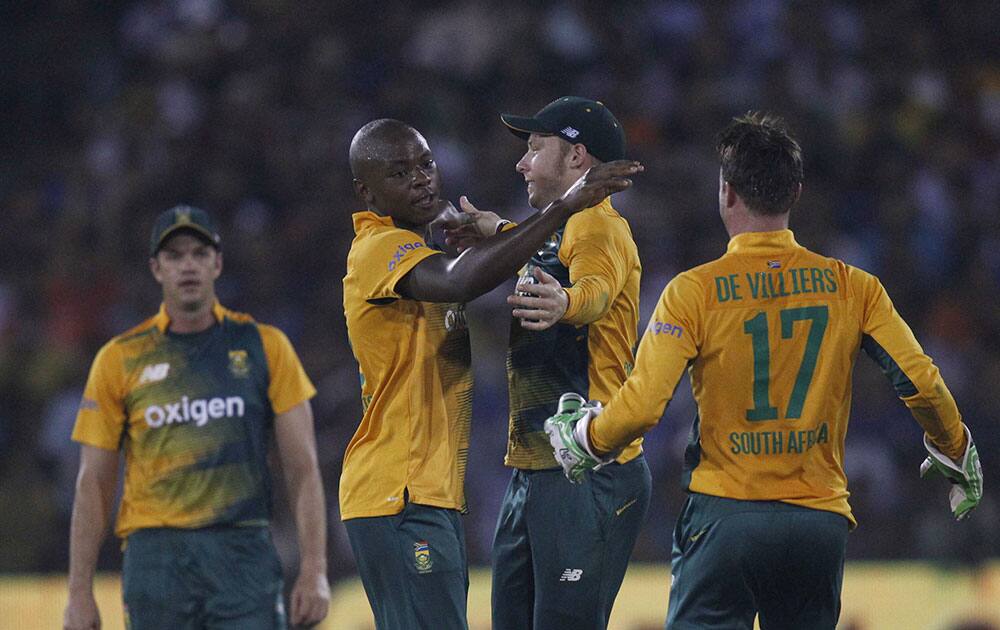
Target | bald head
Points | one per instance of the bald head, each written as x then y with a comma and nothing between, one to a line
395,173
380,141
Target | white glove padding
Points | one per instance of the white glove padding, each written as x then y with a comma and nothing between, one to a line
567,431
967,478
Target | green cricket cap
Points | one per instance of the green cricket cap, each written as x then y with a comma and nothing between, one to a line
184,218
576,120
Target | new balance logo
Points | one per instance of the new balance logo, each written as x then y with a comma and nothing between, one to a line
571,575
569,132
153,373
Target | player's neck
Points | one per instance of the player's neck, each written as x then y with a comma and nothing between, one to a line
743,222
184,322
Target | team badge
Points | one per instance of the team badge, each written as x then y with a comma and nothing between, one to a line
422,556
239,363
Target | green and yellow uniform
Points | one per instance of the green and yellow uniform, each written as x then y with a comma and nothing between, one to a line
408,456
769,334
590,351
194,415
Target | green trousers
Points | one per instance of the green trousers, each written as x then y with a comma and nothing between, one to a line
413,567
214,578
561,549
733,560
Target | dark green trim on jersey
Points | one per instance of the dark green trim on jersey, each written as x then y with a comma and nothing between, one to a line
137,335
692,453
903,385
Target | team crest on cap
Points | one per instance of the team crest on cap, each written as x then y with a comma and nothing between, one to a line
183,215
239,363
422,556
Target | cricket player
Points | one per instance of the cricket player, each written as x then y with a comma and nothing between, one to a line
769,334
402,485
574,327
192,397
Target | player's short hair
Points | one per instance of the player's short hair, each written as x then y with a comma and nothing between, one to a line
761,161
375,141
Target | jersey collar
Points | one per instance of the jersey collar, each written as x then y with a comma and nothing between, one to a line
368,219
761,242
162,320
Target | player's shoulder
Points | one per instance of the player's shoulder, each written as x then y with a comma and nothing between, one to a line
703,273
131,342
145,330
601,220
237,317
384,243
840,267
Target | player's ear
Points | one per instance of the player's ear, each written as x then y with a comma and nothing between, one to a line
154,268
729,194
363,193
218,264
580,158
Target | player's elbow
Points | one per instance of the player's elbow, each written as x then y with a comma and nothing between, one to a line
588,309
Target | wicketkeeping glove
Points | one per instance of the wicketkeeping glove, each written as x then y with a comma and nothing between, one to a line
567,431
967,479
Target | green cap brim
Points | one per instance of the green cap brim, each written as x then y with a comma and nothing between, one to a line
523,127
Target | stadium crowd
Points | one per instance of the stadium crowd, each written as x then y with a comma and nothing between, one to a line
114,111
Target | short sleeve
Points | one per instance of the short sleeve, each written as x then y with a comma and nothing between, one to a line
382,259
101,418
289,383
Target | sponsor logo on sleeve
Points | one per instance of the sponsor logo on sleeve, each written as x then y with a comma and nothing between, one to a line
664,328
88,404
402,251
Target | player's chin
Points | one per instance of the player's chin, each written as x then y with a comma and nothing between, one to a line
421,214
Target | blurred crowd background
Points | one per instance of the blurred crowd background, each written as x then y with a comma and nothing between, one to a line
114,111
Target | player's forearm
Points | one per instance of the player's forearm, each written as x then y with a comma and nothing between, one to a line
589,300
91,514
629,414
938,415
489,262
918,384
305,492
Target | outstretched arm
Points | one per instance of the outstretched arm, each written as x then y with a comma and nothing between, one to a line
485,265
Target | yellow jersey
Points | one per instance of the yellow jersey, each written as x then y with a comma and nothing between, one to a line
591,350
416,380
194,414
769,334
